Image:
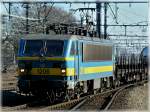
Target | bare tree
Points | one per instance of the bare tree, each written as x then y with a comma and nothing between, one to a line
40,15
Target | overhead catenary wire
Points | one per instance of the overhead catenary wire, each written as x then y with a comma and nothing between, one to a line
69,1
22,17
33,19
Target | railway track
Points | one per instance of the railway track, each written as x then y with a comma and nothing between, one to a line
97,101
11,88
118,92
25,106
103,105
106,99
34,105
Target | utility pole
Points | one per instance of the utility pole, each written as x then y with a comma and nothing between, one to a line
98,19
125,28
9,10
82,19
105,20
9,23
38,13
27,15
44,20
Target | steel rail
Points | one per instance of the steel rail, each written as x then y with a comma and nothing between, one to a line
119,89
24,106
118,92
8,89
73,104
90,96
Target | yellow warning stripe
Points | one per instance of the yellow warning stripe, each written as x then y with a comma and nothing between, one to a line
47,58
69,71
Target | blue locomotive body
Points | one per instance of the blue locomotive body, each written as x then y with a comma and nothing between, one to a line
63,61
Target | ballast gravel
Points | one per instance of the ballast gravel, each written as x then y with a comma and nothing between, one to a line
132,99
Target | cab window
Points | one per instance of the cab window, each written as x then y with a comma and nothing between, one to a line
54,47
32,47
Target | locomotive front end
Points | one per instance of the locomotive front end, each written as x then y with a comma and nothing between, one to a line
42,65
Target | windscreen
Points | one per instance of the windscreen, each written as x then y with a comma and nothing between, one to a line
44,48
54,47
33,47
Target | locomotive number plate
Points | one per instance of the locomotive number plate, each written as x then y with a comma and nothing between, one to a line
43,71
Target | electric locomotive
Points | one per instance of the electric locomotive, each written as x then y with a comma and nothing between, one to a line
65,66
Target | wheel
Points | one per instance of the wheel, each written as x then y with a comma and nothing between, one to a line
69,95
77,96
67,98
51,96
117,83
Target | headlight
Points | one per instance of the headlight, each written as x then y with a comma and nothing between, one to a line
63,71
21,70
